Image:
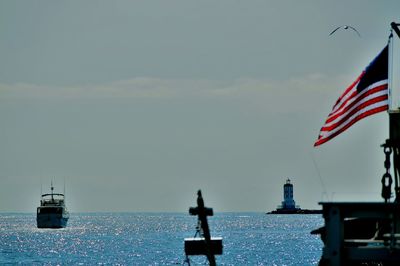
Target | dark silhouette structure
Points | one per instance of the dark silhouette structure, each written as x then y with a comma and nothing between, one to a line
203,245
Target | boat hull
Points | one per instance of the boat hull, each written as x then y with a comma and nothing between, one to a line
51,221
52,217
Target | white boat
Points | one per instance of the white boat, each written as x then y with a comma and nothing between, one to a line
52,212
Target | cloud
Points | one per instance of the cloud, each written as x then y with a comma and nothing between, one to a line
294,92
133,88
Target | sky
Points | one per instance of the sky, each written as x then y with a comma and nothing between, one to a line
135,105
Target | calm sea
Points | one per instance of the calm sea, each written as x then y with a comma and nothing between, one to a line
157,239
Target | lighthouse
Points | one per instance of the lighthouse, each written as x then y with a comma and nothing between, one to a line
288,202
288,205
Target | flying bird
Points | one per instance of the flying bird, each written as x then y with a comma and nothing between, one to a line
346,27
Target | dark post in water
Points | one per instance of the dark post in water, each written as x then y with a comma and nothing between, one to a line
205,245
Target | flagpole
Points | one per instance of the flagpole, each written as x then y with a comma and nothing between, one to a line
394,117
392,107
394,104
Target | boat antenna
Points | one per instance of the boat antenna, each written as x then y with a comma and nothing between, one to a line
52,190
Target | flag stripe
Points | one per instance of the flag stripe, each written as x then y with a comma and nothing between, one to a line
366,96
349,93
363,115
377,102
354,94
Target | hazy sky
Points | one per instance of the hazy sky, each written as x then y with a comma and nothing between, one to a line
138,104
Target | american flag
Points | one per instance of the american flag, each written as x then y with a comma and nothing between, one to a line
367,95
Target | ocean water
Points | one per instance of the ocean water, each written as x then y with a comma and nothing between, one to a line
157,239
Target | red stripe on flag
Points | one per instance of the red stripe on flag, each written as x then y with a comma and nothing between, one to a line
334,109
355,110
363,115
333,116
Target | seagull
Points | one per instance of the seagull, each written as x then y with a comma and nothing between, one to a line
346,27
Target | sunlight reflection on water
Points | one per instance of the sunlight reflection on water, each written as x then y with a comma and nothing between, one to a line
157,239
